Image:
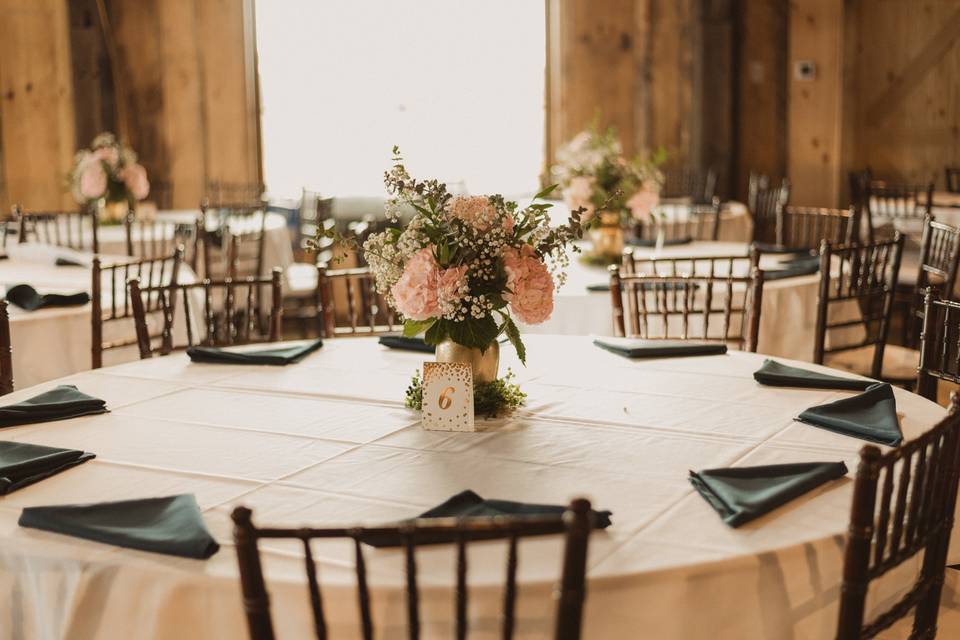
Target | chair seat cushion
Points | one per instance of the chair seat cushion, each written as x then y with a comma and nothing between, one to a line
301,280
899,363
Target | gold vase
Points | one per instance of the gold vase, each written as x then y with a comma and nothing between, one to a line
113,212
484,364
607,238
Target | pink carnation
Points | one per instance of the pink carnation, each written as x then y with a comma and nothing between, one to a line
530,285
415,293
579,193
451,285
134,177
93,180
641,203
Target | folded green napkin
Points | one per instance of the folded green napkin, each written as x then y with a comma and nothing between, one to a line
407,344
768,247
871,415
774,374
467,504
69,262
27,298
639,348
172,525
60,403
22,464
741,494
803,266
275,356
652,242
649,286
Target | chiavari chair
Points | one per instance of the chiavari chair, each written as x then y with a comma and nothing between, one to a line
939,260
902,511
151,272
71,229
147,238
700,222
687,307
684,182
854,308
350,305
677,266
316,213
239,232
952,175
6,351
221,193
802,229
939,344
886,204
766,203
569,594
215,313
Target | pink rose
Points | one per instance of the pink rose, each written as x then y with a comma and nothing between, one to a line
93,180
530,285
641,203
134,177
110,155
415,293
578,194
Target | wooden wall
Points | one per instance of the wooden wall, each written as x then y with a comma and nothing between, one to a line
36,104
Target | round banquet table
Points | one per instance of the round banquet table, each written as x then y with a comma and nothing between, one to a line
327,442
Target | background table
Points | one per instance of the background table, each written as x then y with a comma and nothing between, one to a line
327,442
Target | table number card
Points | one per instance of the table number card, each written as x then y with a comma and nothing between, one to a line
447,396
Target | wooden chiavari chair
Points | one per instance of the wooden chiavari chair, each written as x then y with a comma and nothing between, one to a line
153,272
939,260
854,307
238,320
316,212
677,266
6,351
239,233
702,222
903,506
766,203
687,307
939,344
885,204
155,238
349,304
220,193
804,228
683,182
569,594
71,229
952,175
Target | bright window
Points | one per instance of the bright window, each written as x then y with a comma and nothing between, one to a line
459,86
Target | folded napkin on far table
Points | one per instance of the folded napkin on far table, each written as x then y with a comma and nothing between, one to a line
22,464
277,355
60,403
27,298
650,286
171,525
467,504
741,494
768,247
652,242
871,415
69,262
803,266
774,374
640,348
407,344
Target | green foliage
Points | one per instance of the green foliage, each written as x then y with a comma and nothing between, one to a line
477,333
413,328
513,333
490,399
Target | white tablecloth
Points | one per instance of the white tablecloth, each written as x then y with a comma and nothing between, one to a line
327,442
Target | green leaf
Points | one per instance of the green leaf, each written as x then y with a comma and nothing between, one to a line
412,328
474,333
545,192
437,333
513,333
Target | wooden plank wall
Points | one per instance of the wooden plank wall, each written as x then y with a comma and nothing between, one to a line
36,104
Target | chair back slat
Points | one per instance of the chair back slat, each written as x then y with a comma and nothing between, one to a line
365,312
765,203
685,182
925,471
6,351
804,228
70,229
697,221
576,522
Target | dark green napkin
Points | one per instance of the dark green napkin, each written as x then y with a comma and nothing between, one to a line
68,262
274,356
639,348
768,247
652,242
467,504
774,374
803,266
172,525
26,297
60,403
407,344
650,286
871,415
741,494
22,464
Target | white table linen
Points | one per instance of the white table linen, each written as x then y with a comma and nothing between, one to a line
327,442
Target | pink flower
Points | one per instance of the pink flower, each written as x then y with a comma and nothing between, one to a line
578,194
530,285
451,286
93,180
109,154
134,177
641,203
508,224
415,293
474,210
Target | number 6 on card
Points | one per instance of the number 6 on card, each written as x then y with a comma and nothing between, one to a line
447,396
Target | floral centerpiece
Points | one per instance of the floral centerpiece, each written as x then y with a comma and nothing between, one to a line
597,177
109,176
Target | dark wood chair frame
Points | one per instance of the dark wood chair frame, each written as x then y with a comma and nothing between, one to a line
686,182
233,245
6,351
239,320
939,259
367,311
868,275
765,204
161,271
676,266
58,228
675,296
887,201
952,175
903,504
804,228
570,594
939,346
159,238
702,223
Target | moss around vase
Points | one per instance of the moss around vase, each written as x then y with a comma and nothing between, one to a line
485,364
113,212
607,238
